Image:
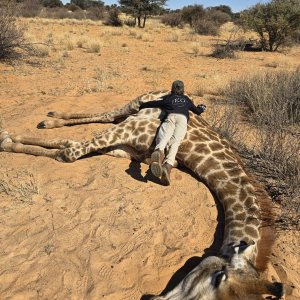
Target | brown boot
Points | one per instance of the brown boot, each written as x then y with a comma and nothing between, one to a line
166,172
157,158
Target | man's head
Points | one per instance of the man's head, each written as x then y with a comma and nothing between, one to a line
177,87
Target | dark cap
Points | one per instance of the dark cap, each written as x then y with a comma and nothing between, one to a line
177,87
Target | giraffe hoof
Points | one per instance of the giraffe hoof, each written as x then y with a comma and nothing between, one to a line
41,125
3,135
51,114
49,124
55,114
4,140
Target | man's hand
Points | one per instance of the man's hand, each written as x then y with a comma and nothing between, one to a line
202,107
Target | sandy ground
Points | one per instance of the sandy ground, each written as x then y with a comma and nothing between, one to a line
104,228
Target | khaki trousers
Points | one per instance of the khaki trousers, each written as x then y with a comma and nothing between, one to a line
170,134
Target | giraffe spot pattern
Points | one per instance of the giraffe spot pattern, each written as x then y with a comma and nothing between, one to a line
217,176
237,233
237,207
209,164
253,232
214,146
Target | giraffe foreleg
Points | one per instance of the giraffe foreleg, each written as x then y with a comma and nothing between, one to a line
69,119
57,123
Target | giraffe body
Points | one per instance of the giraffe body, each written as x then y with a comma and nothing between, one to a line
235,272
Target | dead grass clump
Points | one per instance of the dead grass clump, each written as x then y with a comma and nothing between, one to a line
225,120
272,98
173,37
22,185
96,84
80,43
223,51
69,45
200,91
94,47
41,50
196,50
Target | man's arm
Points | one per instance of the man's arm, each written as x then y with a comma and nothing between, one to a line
199,109
153,104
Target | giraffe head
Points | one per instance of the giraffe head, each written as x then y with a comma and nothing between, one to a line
230,278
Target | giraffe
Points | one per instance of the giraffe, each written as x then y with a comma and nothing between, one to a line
237,271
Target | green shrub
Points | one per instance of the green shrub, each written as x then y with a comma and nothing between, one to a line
113,18
218,16
223,51
205,26
172,19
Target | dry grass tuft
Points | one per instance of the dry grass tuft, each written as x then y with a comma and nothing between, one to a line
94,47
173,37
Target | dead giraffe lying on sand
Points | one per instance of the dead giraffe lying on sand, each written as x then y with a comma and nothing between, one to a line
236,273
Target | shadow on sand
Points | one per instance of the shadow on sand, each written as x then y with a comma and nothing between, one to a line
134,171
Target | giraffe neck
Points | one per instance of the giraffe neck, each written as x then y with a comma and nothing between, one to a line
213,160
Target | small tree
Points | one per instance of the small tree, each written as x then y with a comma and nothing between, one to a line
192,13
142,9
275,21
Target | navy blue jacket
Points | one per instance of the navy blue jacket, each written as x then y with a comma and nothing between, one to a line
175,104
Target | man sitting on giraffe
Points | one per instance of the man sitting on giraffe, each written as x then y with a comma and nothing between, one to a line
173,129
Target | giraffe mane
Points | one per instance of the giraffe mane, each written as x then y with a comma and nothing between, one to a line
267,216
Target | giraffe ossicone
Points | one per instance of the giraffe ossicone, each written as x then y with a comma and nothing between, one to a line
236,272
